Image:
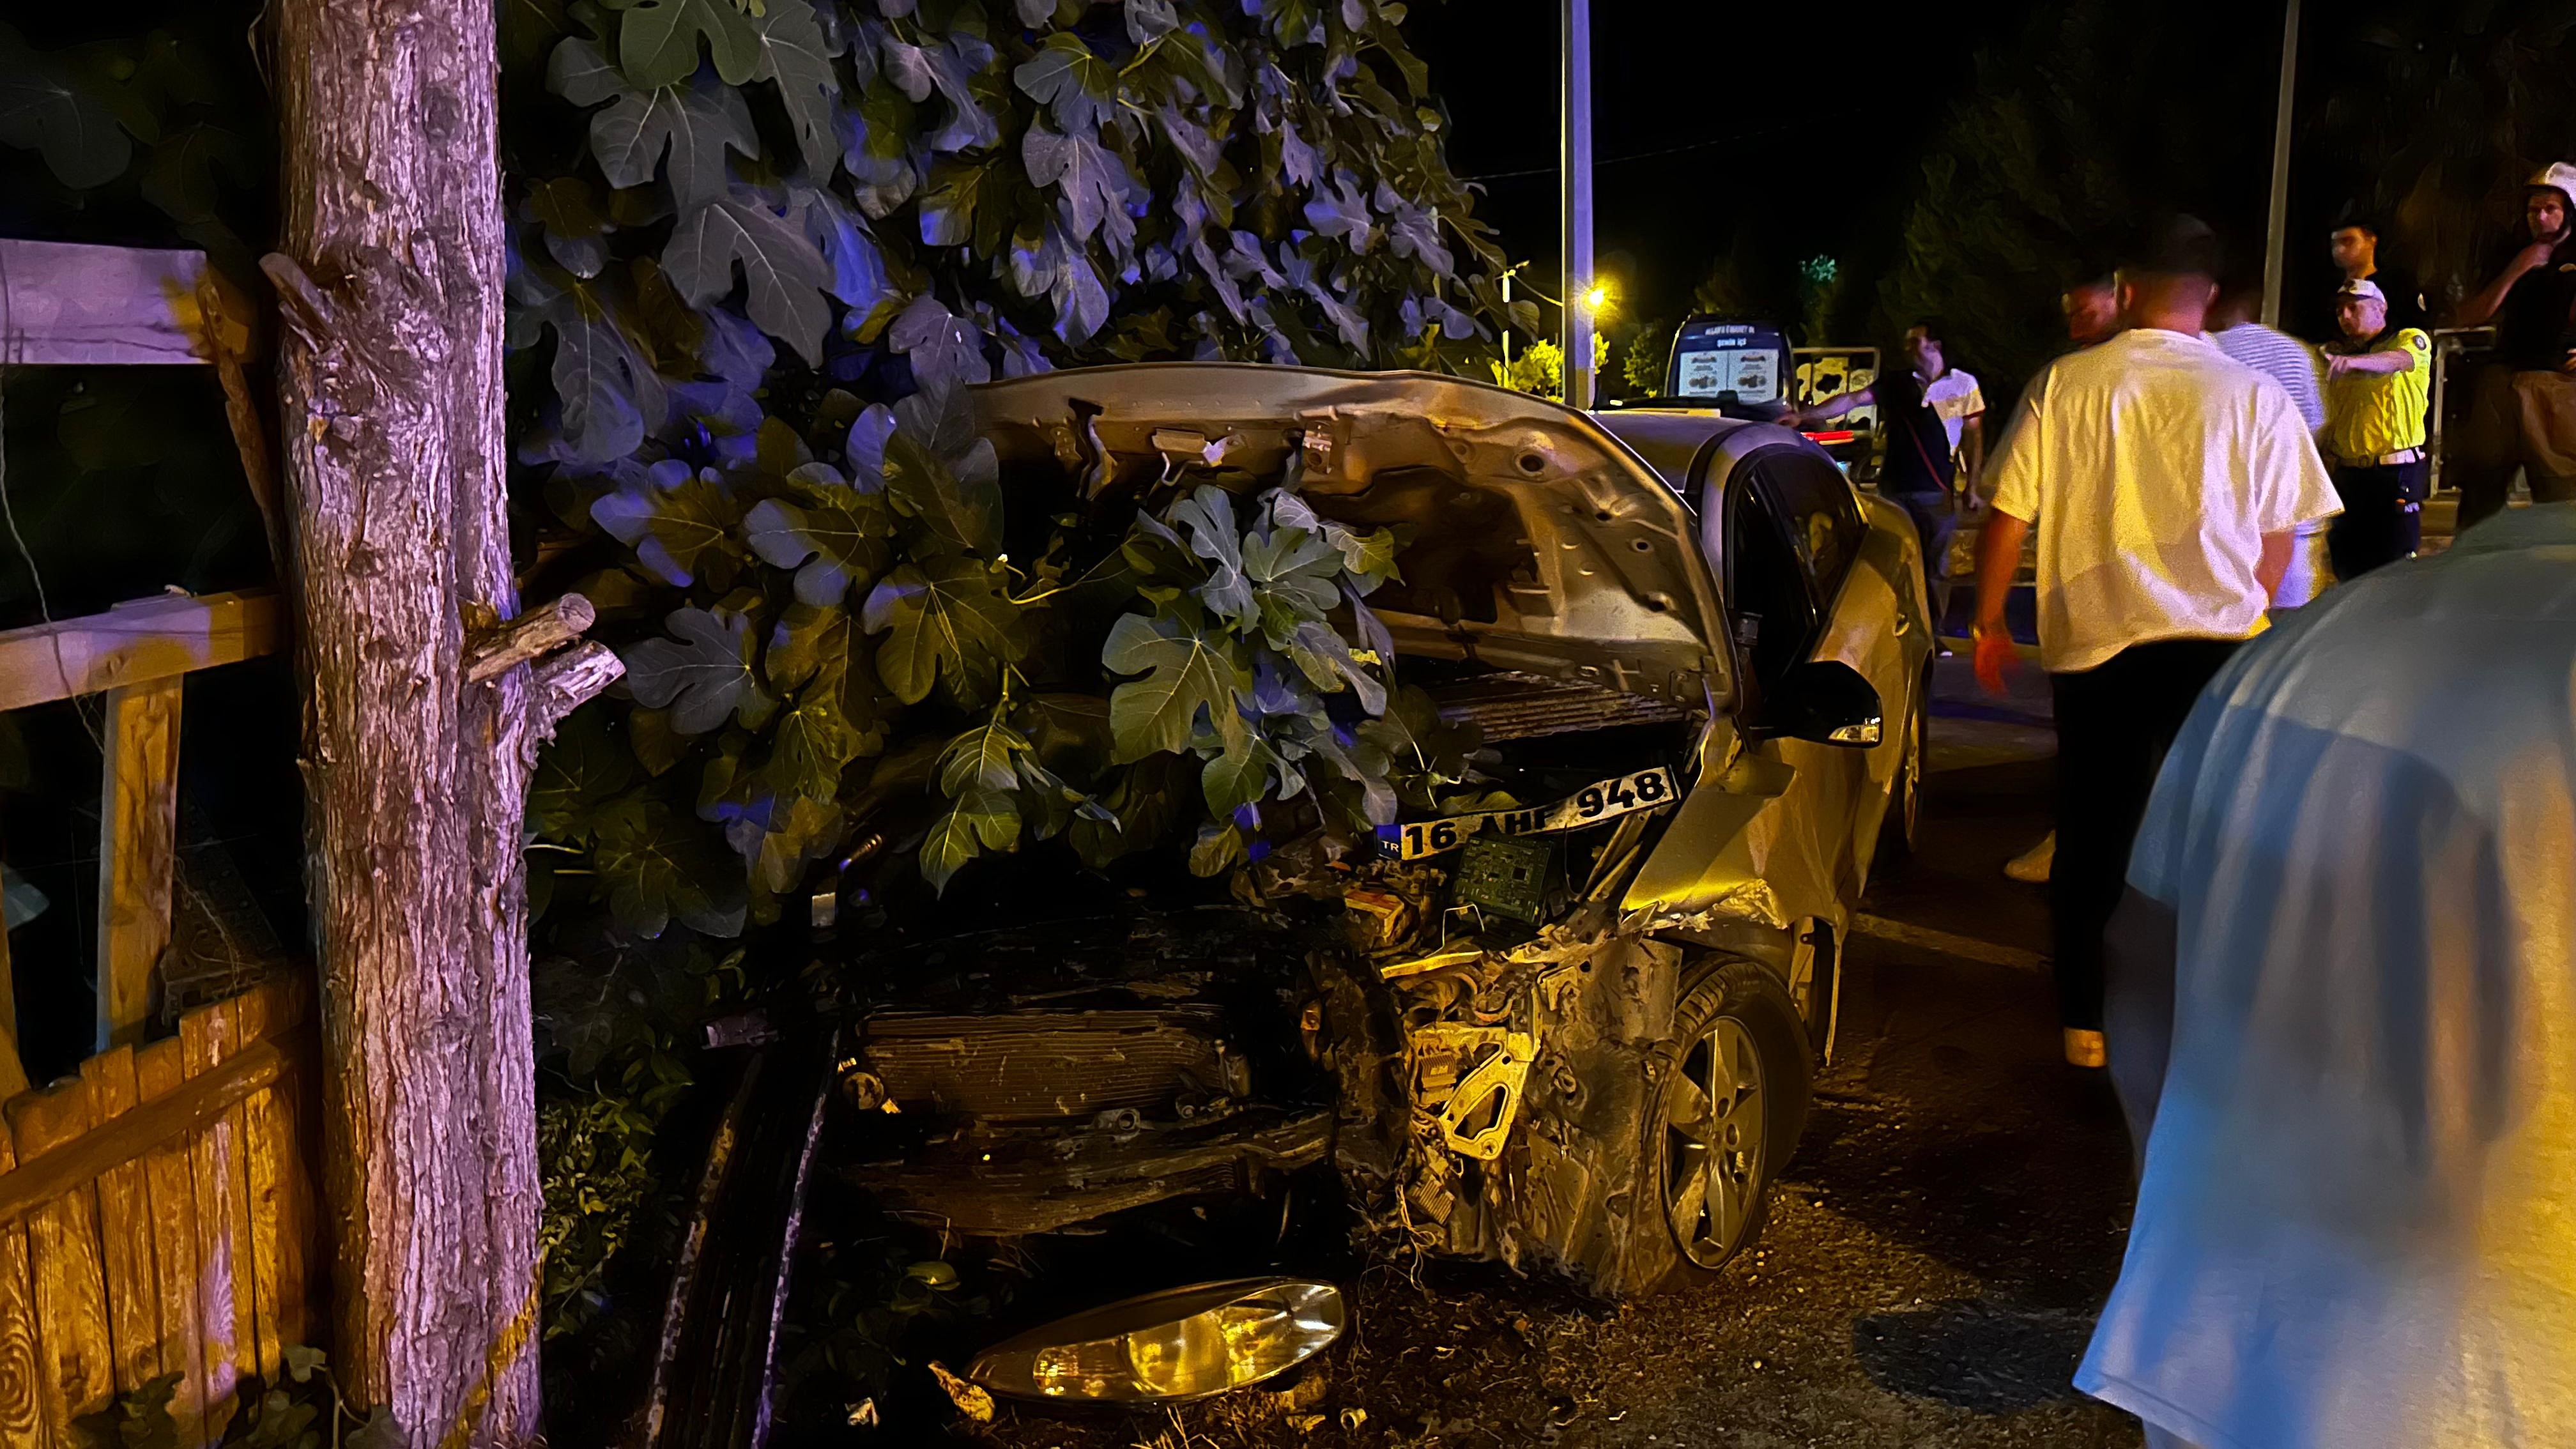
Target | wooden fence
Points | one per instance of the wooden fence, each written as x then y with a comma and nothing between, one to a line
157,1210
157,1216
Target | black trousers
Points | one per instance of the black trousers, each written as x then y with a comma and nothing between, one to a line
2382,519
1936,518
2114,723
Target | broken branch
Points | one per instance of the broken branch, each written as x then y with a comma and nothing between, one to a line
301,305
538,632
562,683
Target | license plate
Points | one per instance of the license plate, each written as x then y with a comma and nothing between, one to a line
1621,795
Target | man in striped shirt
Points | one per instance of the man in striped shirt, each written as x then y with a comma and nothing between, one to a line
2276,354
2293,364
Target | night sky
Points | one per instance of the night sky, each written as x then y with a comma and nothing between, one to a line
1803,122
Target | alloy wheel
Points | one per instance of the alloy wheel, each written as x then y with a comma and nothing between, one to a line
1714,1139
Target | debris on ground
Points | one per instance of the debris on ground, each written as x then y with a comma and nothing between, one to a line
1926,1280
972,1400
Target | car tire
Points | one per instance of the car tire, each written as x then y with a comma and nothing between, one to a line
1728,1101
1905,794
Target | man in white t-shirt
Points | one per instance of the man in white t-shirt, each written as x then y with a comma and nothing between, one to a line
2352,914
2165,481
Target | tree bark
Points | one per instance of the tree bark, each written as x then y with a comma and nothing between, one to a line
390,285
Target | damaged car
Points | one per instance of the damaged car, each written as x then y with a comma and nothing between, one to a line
1567,1019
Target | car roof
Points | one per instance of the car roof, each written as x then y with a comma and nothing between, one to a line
1672,438
1668,438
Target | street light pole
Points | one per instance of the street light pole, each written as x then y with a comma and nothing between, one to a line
1575,169
2275,259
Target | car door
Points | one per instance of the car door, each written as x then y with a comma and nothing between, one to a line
1864,577
1790,547
1779,836
1781,829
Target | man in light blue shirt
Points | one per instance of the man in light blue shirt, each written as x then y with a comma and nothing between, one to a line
2342,1017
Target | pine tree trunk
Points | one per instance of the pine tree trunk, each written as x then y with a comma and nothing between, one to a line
390,288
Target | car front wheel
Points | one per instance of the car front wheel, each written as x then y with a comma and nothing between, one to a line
1730,1101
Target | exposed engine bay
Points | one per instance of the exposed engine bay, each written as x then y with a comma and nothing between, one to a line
1454,1020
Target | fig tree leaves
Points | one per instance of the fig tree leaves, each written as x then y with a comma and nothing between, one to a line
41,108
1080,88
1190,672
1166,179
702,672
671,515
784,274
945,622
659,41
834,536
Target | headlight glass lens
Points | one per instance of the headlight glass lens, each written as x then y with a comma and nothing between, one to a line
1183,1344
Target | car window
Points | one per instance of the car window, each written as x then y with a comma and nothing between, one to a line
1810,496
1773,614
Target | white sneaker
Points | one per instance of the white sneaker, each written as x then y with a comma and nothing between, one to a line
2031,866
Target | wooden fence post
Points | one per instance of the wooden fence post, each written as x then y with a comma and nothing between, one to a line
138,832
13,1069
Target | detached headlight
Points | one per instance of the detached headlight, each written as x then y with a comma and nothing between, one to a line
1185,1343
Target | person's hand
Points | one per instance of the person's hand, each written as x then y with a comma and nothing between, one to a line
1994,656
2337,364
2534,256
2570,364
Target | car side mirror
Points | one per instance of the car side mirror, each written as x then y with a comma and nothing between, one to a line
1829,702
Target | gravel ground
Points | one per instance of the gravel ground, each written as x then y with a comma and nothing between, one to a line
1934,1252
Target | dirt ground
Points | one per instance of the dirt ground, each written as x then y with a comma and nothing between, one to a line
1934,1253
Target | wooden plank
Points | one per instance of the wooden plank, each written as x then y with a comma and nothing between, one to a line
138,851
62,303
284,1145
267,1160
231,1132
125,1231
284,1003
135,643
74,1352
160,1072
20,1425
205,1100
13,1069
204,1036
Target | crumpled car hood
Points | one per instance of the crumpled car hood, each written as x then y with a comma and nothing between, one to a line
1531,537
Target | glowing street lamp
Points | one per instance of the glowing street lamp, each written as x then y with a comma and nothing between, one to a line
1596,299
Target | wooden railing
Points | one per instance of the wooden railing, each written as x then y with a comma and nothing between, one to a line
136,655
157,1217
157,1209
64,303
